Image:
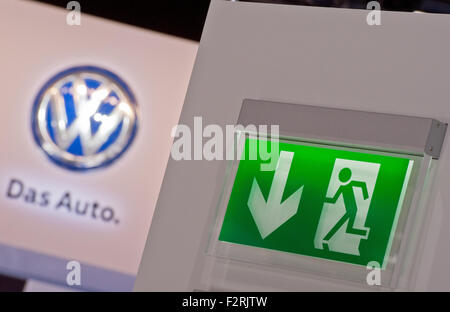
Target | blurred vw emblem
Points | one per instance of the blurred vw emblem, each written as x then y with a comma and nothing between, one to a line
84,118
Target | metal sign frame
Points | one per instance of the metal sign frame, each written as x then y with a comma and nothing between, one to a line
421,141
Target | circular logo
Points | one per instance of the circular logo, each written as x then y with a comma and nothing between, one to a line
84,118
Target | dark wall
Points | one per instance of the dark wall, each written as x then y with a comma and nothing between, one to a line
11,284
185,18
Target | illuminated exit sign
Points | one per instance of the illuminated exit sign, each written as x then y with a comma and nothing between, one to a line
322,202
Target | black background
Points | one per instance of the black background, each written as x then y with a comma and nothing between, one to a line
185,18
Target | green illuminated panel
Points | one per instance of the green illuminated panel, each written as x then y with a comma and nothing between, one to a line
321,202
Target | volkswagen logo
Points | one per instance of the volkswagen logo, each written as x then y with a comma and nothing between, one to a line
84,118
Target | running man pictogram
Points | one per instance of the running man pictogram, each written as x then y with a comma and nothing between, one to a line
351,208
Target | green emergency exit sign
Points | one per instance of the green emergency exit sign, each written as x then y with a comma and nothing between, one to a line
322,202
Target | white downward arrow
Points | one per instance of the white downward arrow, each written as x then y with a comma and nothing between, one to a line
270,215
